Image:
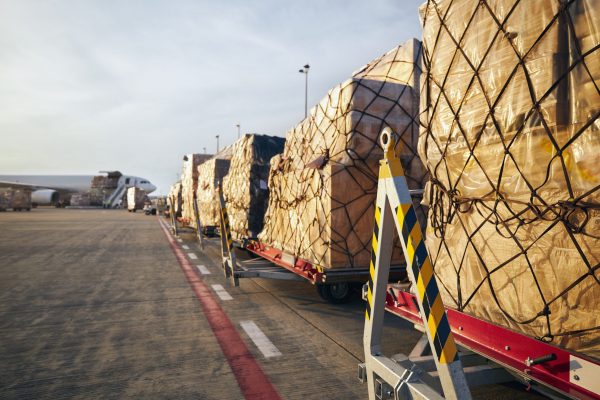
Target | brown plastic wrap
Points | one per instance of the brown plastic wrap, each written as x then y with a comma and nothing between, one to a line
80,200
20,198
323,187
209,175
174,199
189,185
135,198
509,108
245,186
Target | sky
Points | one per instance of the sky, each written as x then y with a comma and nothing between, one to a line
132,85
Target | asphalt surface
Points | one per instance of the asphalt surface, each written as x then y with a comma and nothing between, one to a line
94,304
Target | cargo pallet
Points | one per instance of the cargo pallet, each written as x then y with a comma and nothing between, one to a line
457,350
333,285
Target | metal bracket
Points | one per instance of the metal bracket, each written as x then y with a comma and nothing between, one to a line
227,252
198,224
394,211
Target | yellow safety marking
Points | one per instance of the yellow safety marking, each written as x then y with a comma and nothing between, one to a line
367,315
402,210
369,295
374,242
424,277
372,270
410,250
415,235
449,351
377,217
436,312
390,169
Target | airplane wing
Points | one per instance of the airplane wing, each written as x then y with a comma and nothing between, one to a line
21,185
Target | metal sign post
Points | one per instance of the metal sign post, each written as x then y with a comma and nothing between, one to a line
387,378
227,253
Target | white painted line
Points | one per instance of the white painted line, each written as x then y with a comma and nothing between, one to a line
179,240
185,247
221,292
203,270
266,347
192,256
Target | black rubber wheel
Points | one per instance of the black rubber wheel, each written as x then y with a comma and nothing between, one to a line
335,293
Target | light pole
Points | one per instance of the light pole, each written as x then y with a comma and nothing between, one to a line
305,72
217,136
238,126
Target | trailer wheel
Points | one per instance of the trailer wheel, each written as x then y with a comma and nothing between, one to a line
335,293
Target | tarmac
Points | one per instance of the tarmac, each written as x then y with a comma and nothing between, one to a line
107,304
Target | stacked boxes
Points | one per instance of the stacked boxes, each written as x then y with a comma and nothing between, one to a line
210,173
245,186
174,199
323,186
511,139
135,198
189,185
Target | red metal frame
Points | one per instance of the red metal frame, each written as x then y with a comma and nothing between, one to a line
300,267
501,345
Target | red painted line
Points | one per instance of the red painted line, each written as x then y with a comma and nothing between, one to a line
250,377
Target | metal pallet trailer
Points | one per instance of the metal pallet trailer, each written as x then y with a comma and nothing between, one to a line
489,353
334,286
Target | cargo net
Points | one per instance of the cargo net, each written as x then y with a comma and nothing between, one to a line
245,186
510,135
323,187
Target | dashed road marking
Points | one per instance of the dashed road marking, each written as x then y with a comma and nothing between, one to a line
192,256
221,292
266,347
185,247
203,270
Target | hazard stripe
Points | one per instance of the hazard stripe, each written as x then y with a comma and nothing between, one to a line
226,228
373,263
418,261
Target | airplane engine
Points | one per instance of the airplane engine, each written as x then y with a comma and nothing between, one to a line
44,197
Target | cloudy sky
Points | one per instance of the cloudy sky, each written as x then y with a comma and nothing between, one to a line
89,85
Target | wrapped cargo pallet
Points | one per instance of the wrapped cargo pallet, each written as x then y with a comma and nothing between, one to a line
245,186
210,173
20,199
80,200
189,185
136,198
511,138
174,199
4,199
323,186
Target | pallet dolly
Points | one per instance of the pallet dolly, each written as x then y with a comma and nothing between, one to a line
489,353
254,268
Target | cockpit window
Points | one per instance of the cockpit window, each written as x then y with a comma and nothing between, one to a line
144,182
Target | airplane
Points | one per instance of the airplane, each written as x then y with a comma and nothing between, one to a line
52,189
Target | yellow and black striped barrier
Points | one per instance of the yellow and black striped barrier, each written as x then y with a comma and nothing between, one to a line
394,211
227,251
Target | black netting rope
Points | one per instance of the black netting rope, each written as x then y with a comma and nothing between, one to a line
448,204
361,167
